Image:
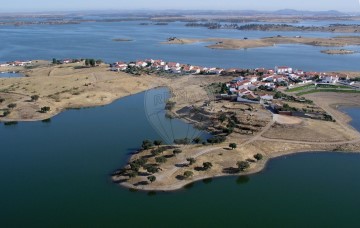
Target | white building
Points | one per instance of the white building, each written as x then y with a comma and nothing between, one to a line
283,70
330,79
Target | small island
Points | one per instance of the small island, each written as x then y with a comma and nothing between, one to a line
234,44
338,52
122,40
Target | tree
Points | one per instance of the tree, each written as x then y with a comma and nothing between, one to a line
151,178
134,167
54,61
177,151
146,144
92,62
133,174
6,113
44,109
191,161
222,117
158,143
188,174
2,100
34,98
87,62
99,61
232,145
152,169
160,159
242,165
258,157
11,106
207,165
197,140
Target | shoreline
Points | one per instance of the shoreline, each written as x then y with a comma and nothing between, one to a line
260,168
347,147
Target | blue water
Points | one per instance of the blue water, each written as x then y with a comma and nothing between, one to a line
95,40
10,75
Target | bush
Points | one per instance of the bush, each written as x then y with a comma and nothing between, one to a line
258,157
2,100
146,144
191,161
34,98
45,109
151,178
177,151
217,139
197,140
11,106
207,165
188,174
160,159
6,113
232,145
243,165
151,168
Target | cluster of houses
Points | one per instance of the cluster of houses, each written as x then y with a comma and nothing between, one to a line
15,63
171,67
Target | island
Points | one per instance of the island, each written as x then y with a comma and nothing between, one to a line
338,52
252,115
233,44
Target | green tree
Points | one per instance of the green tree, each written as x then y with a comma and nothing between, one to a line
160,159
11,106
146,144
92,62
158,143
188,174
133,174
45,109
232,145
177,151
243,165
99,61
54,61
2,100
207,165
258,157
34,98
191,161
6,113
87,62
151,178
134,167
197,140
152,169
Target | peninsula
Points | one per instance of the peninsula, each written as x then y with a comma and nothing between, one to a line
253,115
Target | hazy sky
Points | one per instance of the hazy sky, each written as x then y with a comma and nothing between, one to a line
58,5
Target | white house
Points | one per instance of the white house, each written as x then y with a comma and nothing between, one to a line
283,70
330,79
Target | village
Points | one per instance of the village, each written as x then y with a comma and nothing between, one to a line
260,85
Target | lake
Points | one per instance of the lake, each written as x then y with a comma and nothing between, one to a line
95,40
56,174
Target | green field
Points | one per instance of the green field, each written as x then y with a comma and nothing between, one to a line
328,90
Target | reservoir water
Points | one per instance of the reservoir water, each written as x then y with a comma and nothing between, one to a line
10,75
56,173
95,40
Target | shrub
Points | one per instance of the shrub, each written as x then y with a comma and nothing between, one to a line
191,161
188,174
45,109
183,141
177,151
146,144
217,139
34,97
151,178
243,165
232,145
258,157
160,159
11,106
207,165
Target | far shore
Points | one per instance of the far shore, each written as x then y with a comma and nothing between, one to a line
233,44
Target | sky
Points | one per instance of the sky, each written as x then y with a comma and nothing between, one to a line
68,5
